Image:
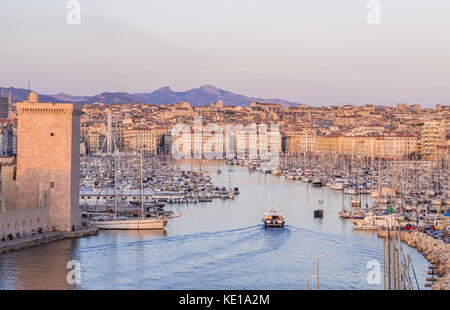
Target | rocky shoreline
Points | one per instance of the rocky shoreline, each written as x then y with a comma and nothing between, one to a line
435,251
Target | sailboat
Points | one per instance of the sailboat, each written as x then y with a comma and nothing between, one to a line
123,223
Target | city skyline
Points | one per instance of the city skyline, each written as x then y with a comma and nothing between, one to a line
83,99
318,54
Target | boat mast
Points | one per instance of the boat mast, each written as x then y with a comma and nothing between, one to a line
115,184
142,188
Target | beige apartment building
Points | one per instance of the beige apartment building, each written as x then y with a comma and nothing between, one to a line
434,134
95,142
392,146
299,142
327,144
145,139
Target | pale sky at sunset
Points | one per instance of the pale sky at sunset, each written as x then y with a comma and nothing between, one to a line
316,52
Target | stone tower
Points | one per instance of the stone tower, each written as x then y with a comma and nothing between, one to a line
48,160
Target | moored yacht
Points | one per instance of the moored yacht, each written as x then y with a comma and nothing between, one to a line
114,221
350,191
316,182
123,223
365,226
337,185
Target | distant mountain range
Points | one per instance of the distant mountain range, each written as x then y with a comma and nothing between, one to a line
204,95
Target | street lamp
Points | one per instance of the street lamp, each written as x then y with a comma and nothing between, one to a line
317,270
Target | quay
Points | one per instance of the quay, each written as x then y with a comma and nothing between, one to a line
41,239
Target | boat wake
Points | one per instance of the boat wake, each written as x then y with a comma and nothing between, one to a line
171,239
326,235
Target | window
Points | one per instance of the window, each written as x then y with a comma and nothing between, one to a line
52,134
52,184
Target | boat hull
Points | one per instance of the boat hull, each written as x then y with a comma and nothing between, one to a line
366,227
147,224
275,225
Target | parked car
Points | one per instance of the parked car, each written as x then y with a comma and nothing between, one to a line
410,227
437,235
430,228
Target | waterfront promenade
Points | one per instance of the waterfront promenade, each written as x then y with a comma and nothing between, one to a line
41,239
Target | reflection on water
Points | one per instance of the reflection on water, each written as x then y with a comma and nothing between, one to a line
217,245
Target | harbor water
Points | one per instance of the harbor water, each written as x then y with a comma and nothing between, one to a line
220,245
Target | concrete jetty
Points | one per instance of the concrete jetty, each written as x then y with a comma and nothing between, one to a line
41,239
435,251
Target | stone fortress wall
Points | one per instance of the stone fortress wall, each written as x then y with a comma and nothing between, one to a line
41,189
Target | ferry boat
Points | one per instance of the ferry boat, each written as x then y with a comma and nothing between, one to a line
273,218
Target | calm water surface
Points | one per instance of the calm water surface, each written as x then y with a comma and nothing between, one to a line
218,245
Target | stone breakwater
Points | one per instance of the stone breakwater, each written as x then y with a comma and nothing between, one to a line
23,243
435,251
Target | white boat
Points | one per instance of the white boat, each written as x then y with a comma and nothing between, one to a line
130,224
306,179
337,185
316,182
350,191
377,220
273,218
365,227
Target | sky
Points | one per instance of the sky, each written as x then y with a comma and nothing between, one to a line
321,52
